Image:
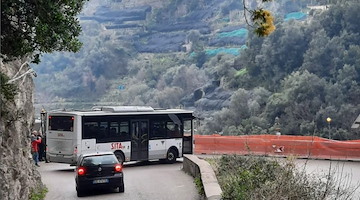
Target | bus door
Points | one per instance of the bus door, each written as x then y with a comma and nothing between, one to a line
188,137
139,139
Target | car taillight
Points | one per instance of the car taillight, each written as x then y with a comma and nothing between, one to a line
118,168
81,171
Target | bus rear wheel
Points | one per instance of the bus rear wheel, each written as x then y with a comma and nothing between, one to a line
120,156
171,156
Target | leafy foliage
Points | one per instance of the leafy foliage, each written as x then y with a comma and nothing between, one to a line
29,27
199,185
38,193
7,90
258,177
263,20
303,67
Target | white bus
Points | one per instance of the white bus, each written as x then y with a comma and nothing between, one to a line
133,133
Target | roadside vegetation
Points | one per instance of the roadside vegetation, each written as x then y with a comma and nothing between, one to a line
38,193
251,177
199,186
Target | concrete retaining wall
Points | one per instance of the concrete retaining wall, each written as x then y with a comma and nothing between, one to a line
197,167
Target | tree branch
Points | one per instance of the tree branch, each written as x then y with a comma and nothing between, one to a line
246,10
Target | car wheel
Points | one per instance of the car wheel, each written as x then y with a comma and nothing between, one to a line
79,193
171,156
121,189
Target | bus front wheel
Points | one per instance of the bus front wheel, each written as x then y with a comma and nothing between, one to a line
171,156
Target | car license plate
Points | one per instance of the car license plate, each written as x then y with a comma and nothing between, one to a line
100,181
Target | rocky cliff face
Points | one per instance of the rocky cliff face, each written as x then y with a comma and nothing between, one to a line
18,176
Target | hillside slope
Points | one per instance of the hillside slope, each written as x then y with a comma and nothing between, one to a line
201,55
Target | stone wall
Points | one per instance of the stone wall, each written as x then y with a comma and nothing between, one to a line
198,167
18,175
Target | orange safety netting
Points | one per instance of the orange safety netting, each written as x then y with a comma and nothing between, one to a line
278,145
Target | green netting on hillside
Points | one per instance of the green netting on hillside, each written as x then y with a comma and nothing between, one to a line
241,72
295,15
213,52
237,33
233,51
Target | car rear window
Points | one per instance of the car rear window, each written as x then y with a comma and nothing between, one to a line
99,160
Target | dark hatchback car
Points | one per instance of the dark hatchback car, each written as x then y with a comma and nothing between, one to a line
98,170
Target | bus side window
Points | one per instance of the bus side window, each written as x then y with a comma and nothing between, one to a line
158,130
102,133
172,129
113,132
124,131
94,130
89,130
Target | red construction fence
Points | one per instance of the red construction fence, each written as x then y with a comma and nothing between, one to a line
278,145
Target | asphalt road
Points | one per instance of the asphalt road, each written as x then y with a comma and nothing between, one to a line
154,180
143,181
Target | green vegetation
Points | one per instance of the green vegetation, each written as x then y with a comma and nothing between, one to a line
7,90
33,28
301,74
199,185
38,194
241,72
7,94
264,178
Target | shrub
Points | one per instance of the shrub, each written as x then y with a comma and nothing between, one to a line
38,194
7,90
199,185
253,177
